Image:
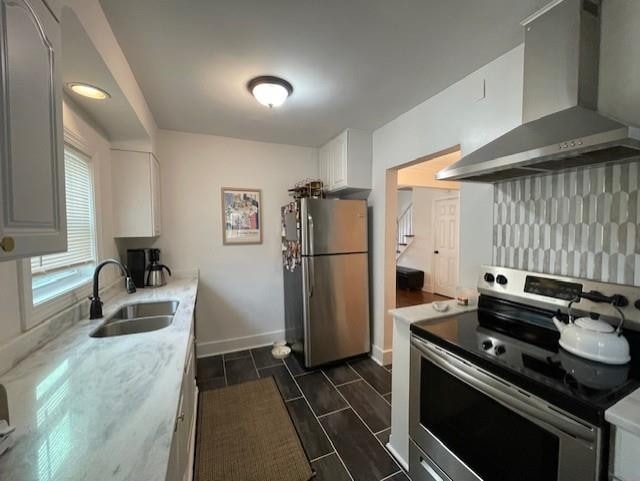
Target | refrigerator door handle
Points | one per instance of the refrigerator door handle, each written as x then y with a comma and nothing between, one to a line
311,271
310,229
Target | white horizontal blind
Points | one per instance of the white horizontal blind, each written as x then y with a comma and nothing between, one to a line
80,217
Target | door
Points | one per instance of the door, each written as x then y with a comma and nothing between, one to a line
445,242
340,159
336,311
333,226
33,213
155,195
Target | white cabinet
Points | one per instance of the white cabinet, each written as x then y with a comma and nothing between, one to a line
181,459
135,181
32,198
345,162
626,453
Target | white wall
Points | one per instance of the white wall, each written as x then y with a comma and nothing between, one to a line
457,115
419,254
240,296
98,147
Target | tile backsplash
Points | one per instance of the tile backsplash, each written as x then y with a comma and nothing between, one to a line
580,224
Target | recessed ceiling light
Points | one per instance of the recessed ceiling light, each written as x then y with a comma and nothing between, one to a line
89,91
270,91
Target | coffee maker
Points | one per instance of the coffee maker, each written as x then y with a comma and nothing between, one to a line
145,268
137,261
155,270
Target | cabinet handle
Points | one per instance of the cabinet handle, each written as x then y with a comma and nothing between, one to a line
7,244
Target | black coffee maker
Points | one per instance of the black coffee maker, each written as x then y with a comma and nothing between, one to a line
155,270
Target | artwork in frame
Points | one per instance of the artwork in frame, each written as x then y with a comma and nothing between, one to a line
241,216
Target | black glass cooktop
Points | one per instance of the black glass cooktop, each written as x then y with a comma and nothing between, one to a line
520,344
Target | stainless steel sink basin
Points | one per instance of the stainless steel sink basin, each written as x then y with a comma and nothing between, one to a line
137,318
132,326
146,309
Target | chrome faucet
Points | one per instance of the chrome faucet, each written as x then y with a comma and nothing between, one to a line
95,311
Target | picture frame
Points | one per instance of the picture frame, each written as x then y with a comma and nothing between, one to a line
241,216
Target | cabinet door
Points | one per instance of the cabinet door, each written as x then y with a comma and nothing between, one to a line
155,195
323,163
33,207
339,164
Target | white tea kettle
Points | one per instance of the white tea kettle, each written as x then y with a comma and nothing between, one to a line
593,339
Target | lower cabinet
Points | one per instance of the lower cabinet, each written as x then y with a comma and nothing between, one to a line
626,452
183,446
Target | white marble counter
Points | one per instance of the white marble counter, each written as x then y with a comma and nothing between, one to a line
424,312
625,413
100,408
403,318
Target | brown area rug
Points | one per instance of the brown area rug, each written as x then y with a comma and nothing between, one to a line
245,434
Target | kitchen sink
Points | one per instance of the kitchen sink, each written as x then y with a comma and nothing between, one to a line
146,309
132,326
138,318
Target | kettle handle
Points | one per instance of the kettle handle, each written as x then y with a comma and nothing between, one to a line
165,267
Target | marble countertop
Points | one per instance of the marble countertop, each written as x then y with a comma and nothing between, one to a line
100,408
625,414
423,312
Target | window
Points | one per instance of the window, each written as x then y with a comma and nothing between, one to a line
54,274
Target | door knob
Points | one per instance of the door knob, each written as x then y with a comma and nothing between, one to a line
7,244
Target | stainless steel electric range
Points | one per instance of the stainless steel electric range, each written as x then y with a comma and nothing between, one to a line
493,397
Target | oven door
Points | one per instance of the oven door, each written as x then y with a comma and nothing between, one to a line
473,426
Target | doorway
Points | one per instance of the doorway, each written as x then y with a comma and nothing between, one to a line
426,218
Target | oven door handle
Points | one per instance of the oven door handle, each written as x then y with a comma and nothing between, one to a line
536,410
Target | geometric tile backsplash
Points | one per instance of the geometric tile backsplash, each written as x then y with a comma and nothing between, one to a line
580,224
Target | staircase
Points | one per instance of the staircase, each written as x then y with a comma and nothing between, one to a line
404,229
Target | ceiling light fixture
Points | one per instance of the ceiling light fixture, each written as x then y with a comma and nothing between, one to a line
88,91
270,91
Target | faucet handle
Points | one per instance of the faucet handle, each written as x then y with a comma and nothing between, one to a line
129,285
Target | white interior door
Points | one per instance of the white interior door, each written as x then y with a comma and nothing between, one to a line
445,252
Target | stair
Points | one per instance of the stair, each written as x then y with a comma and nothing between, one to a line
404,226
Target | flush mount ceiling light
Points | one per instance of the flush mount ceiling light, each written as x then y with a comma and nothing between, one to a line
88,91
270,91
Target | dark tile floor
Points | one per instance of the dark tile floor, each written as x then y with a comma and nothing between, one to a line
342,413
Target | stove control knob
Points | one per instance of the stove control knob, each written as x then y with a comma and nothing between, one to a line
488,277
486,345
500,279
637,304
500,349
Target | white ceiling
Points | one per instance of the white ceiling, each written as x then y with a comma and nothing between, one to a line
352,63
82,63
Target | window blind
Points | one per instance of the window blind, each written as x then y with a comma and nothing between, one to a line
80,217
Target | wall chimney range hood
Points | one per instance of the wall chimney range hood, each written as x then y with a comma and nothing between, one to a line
561,128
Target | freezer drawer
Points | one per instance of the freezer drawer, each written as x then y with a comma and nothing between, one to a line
336,307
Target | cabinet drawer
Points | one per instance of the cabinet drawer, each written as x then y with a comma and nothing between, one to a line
422,468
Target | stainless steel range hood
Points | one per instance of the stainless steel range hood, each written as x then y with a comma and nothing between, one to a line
561,128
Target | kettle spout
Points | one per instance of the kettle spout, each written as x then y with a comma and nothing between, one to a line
558,323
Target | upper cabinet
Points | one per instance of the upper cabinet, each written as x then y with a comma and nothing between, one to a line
345,162
32,210
135,180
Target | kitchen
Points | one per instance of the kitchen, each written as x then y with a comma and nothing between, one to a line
164,145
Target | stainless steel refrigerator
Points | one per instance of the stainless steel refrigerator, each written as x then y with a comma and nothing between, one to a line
326,279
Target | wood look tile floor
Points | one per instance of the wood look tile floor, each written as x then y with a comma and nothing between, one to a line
406,298
342,413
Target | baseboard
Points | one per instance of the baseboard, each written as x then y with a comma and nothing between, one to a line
380,356
428,288
212,348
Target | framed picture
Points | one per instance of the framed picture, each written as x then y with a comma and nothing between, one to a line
241,216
